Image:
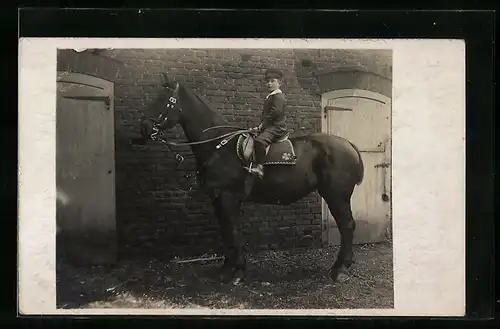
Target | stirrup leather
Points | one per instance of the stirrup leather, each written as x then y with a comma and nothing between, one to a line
256,170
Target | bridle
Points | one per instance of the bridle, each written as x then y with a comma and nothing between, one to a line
161,120
158,135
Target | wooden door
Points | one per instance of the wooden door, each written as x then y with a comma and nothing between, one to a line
364,118
85,168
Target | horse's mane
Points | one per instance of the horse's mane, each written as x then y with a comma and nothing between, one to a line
204,101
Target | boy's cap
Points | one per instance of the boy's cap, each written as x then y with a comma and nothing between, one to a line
273,73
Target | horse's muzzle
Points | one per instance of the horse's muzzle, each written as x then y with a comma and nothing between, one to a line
146,127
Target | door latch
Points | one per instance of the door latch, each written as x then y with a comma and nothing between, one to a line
382,165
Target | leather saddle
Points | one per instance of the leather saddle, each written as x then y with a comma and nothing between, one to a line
281,152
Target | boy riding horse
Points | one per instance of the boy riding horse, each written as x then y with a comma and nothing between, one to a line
273,120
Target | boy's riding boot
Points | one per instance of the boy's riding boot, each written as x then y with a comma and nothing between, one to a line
260,153
258,170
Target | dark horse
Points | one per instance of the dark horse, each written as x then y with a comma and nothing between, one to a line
325,163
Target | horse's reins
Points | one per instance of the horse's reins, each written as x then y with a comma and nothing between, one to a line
225,140
222,143
224,126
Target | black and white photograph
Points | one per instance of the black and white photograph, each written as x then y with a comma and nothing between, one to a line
237,177
269,166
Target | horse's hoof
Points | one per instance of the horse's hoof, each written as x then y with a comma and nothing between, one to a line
237,281
234,278
339,274
342,277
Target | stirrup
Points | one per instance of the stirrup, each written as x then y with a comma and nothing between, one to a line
259,172
249,168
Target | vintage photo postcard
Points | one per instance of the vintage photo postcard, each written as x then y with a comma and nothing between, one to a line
242,176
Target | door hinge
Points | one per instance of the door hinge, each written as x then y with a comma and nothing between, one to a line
336,108
105,99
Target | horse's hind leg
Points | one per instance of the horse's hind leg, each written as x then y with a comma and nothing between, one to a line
227,211
340,208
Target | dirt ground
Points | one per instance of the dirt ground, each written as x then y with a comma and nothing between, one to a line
285,279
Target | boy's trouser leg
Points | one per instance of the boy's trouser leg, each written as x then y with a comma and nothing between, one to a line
260,153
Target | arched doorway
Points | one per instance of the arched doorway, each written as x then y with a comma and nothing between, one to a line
85,168
364,118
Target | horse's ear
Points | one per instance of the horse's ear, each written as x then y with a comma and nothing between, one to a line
169,82
164,79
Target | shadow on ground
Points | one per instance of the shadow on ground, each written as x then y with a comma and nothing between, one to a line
285,279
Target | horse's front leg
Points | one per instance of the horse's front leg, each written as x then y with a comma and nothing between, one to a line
227,210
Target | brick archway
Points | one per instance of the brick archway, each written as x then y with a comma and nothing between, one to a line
353,77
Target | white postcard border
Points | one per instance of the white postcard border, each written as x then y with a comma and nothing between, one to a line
428,140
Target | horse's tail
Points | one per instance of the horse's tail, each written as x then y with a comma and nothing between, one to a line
361,167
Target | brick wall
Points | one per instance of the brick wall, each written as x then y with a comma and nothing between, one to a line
157,211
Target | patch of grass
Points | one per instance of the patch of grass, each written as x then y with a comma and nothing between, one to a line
276,279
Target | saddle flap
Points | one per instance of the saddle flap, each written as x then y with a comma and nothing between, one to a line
244,147
247,146
281,152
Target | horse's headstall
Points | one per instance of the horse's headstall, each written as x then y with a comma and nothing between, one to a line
172,102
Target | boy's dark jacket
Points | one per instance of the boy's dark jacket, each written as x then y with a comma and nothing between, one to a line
274,115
